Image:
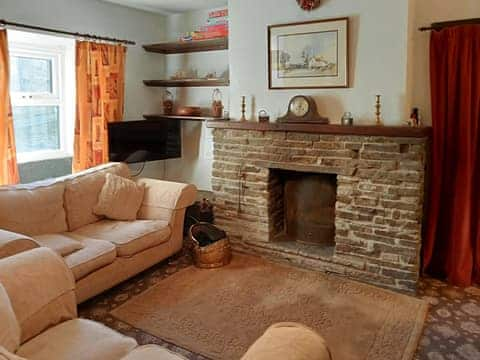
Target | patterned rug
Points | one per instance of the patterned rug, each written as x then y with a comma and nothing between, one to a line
452,331
220,313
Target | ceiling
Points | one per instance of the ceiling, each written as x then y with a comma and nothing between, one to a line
170,6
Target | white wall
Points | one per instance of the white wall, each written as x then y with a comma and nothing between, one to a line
195,166
378,57
425,12
92,16
387,56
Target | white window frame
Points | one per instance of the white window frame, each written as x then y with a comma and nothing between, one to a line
60,95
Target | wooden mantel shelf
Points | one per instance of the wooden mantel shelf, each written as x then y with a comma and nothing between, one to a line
373,130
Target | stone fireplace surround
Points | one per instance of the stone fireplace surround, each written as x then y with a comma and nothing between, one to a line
381,174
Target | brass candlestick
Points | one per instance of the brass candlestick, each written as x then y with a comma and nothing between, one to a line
378,112
244,108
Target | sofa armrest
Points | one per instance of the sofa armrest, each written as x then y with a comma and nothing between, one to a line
163,198
12,243
289,341
41,289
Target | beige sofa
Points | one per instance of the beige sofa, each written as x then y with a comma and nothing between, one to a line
101,253
39,321
38,316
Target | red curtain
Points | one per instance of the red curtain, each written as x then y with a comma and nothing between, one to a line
452,246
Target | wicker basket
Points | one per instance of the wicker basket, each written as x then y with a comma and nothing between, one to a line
211,256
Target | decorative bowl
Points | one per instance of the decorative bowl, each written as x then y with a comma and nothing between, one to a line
189,111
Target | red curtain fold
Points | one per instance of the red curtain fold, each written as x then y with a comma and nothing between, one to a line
452,244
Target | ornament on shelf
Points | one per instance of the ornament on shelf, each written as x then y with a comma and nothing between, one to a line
263,116
217,104
415,118
308,5
167,103
378,110
347,119
244,108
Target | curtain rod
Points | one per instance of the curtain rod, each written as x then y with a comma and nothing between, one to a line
5,23
442,25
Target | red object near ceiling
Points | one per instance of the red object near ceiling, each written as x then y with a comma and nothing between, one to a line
308,5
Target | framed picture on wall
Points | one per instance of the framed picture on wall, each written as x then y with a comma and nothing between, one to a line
308,55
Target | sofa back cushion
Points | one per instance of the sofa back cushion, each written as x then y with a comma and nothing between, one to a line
9,328
82,190
41,290
33,209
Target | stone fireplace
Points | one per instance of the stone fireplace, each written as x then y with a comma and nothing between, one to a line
342,200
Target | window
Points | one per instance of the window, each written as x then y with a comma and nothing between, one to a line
41,99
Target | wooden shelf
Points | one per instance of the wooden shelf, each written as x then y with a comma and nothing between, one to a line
187,83
373,130
182,47
181,118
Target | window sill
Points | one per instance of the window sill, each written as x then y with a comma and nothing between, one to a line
25,159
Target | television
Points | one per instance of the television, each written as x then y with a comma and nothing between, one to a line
144,140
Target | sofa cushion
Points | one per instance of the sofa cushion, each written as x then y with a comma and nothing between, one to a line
129,237
289,341
94,255
120,198
78,339
82,190
7,355
40,288
33,209
12,243
9,328
152,352
62,244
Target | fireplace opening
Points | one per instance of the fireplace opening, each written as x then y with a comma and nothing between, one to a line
303,209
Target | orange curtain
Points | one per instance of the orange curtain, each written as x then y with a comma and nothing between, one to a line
8,157
100,74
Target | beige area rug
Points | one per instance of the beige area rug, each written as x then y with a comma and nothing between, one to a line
220,313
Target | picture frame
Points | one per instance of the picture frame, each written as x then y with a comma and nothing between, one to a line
309,55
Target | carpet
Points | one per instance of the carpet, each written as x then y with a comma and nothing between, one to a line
220,313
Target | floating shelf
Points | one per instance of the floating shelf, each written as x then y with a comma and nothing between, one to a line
181,118
182,47
187,83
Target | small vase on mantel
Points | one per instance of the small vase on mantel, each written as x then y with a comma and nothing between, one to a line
378,111
347,119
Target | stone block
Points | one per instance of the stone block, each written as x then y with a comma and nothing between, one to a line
302,137
384,148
